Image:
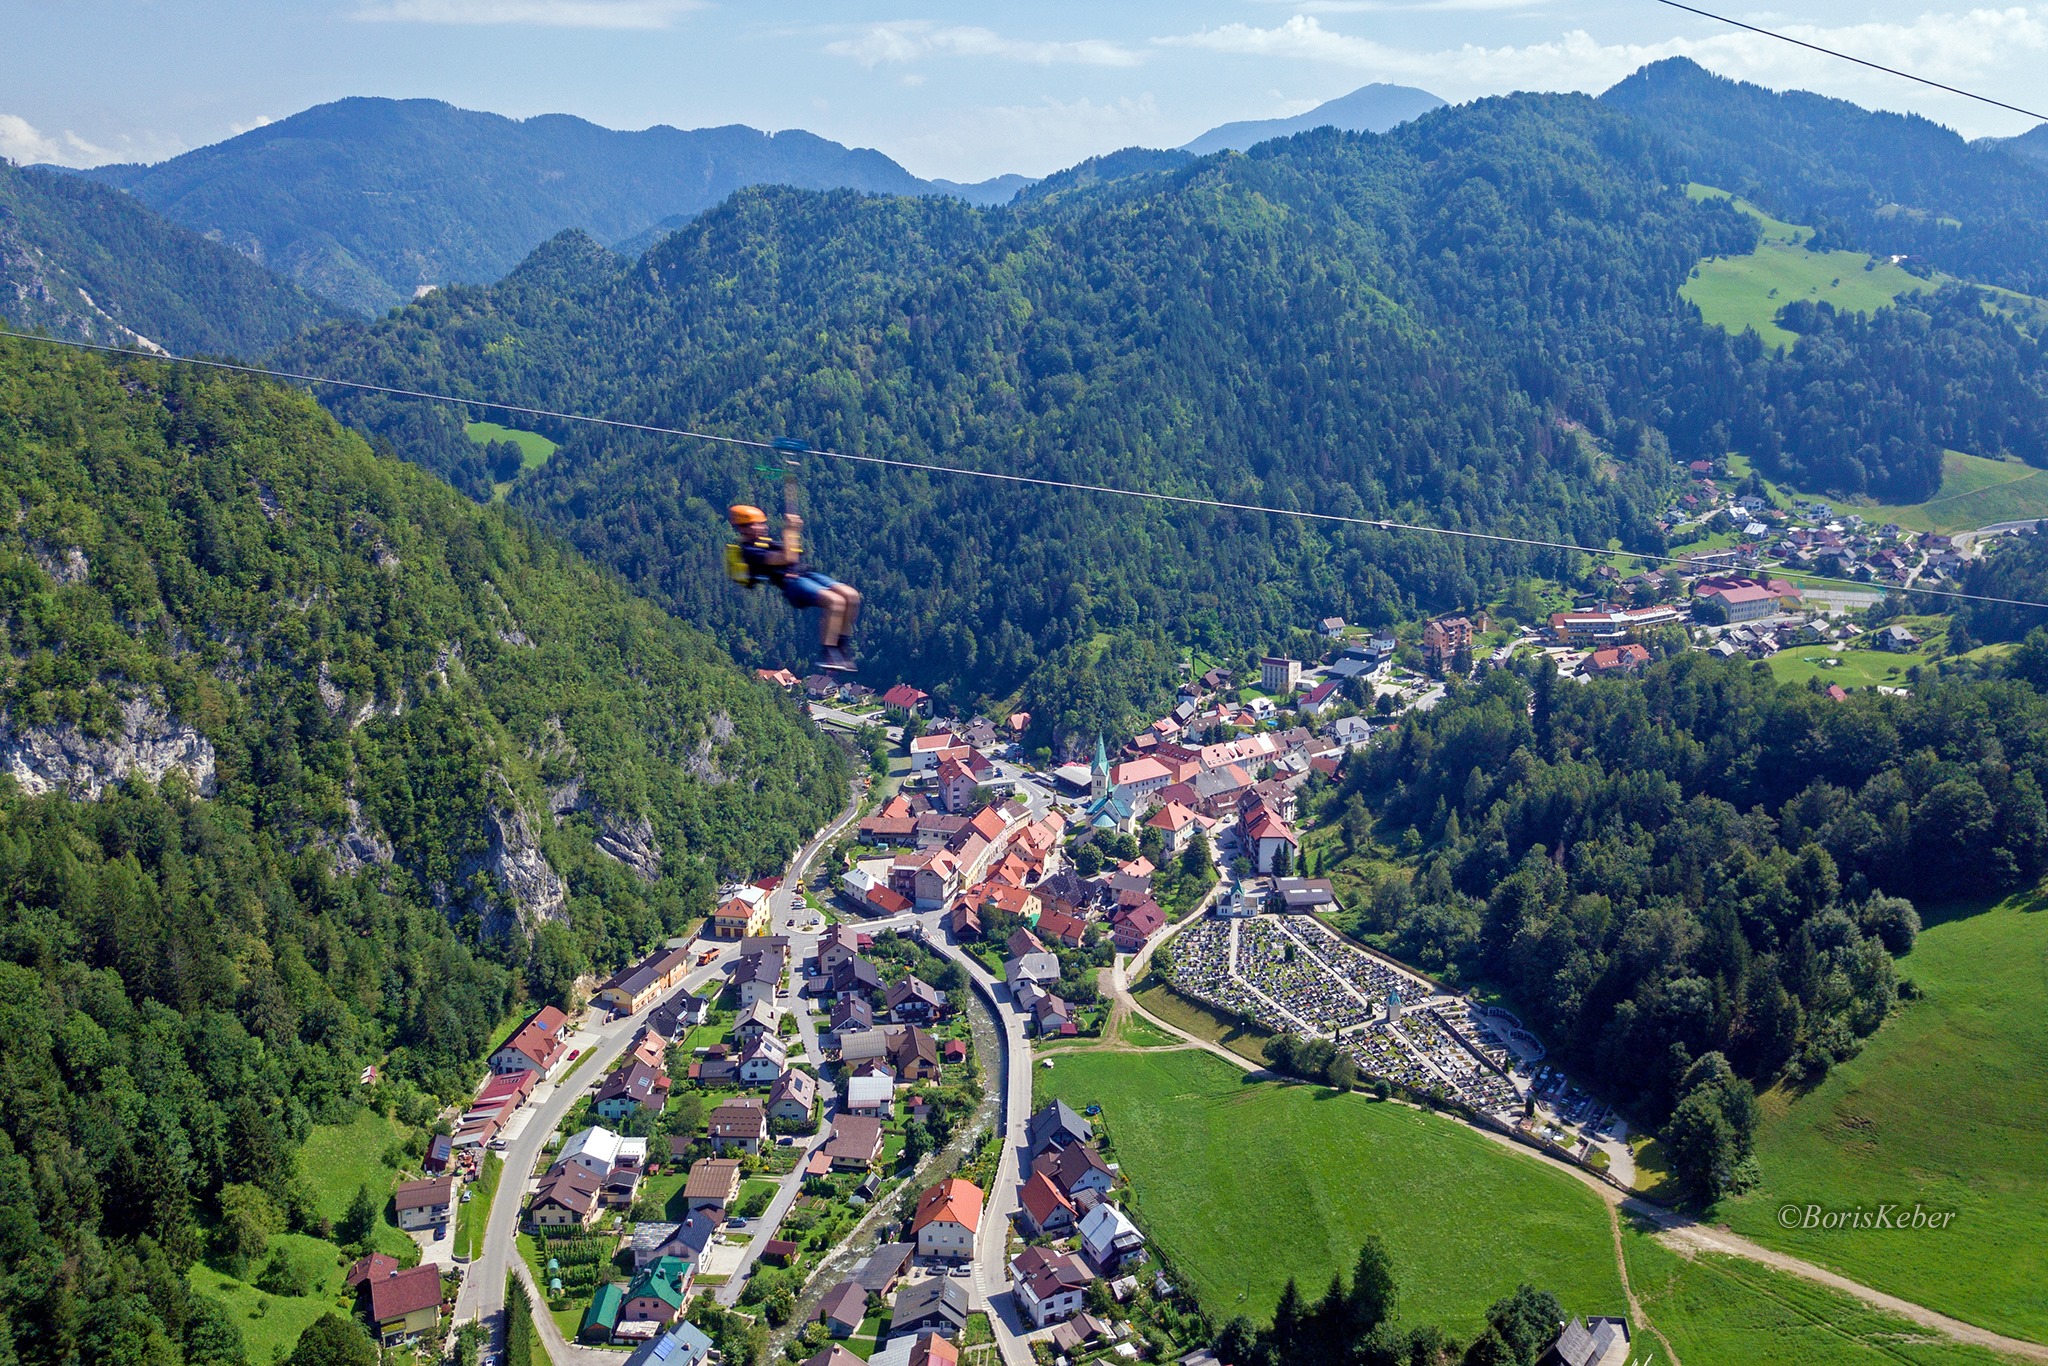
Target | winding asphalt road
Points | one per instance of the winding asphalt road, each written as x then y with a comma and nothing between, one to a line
482,1298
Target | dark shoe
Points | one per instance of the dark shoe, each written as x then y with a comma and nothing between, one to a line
835,658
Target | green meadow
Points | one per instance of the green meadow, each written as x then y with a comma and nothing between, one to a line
1975,491
1725,1311
1246,1183
532,445
1944,1108
1737,292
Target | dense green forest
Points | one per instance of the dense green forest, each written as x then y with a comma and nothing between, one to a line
1703,865
362,200
1472,320
80,260
1873,181
380,684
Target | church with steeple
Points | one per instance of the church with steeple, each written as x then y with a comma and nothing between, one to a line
1108,809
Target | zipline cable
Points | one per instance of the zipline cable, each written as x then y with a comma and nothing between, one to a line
1038,481
1843,56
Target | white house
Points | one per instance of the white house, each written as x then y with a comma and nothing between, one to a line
1051,1286
764,1061
872,1094
595,1149
1110,1238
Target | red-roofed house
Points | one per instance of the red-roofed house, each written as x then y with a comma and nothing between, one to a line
1620,659
535,1046
955,787
1046,1209
1065,929
1265,835
948,1216
1176,824
904,702
1320,698
1134,925
405,1304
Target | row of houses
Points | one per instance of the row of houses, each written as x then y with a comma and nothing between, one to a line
1066,1196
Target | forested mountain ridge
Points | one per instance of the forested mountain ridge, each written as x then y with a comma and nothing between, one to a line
375,674
80,260
362,200
1472,320
383,718
1878,182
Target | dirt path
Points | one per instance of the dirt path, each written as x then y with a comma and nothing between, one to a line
1680,1232
1636,1314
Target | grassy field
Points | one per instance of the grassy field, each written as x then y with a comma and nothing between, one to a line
271,1324
1246,1040
1724,1311
1975,491
1735,292
1245,1183
1943,1107
340,1158
534,447
1861,665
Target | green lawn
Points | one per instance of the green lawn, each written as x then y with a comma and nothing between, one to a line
340,1158
1246,1183
1247,1040
1860,665
533,447
1725,1311
271,1324
1735,292
1943,1107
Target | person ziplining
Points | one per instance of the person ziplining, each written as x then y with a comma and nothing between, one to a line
758,557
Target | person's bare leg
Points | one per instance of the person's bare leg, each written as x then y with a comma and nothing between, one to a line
852,610
831,617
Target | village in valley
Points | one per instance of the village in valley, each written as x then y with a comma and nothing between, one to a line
815,1122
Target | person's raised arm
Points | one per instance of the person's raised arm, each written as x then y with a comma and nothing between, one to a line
792,536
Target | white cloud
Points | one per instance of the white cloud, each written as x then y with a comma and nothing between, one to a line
611,14
913,40
1399,6
260,121
1997,49
1031,139
22,141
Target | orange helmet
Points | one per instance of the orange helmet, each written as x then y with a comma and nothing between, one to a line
745,515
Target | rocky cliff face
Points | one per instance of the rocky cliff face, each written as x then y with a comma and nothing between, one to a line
61,758
522,871
361,846
630,841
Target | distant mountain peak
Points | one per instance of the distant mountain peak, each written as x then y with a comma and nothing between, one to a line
1369,109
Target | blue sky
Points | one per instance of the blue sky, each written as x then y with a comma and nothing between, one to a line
957,90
